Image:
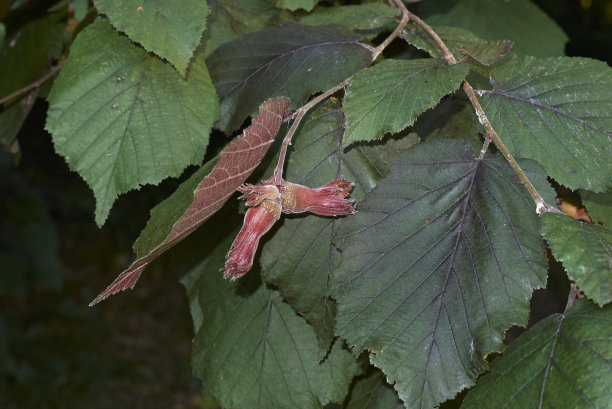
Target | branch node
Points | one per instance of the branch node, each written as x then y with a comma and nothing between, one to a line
299,114
482,117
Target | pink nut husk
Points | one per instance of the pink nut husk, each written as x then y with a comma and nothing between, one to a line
255,194
328,200
257,222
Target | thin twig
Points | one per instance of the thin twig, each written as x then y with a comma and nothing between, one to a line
299,114
378,50
278,171
485,146
35,84
541,205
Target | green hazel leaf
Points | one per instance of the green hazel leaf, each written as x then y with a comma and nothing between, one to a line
521,21
538,178
562,362
585,250
25,56
122,118
389,96
373,392
557,111
172,30
13,116
454,37
293,60
464,45
294,5
440,259
360,17
229,19
203,194
254,351
299,259
599,206
486,53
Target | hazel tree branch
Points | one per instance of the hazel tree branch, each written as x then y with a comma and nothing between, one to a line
541,205
54,70
378,50
485,146
299,114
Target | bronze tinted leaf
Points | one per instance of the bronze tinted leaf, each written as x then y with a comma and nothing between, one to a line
180,214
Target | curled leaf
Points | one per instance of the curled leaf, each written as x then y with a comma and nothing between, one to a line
236,163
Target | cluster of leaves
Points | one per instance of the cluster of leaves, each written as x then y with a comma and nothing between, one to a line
446,248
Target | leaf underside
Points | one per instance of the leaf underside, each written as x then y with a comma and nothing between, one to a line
562,362
585,250
172,30
557,111
293,60
441,257
123,118
198,199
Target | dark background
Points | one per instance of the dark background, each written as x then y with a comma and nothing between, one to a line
134,349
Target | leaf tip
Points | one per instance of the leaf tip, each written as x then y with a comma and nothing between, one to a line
126,280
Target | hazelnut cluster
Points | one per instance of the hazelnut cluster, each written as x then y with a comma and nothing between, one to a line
267,201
